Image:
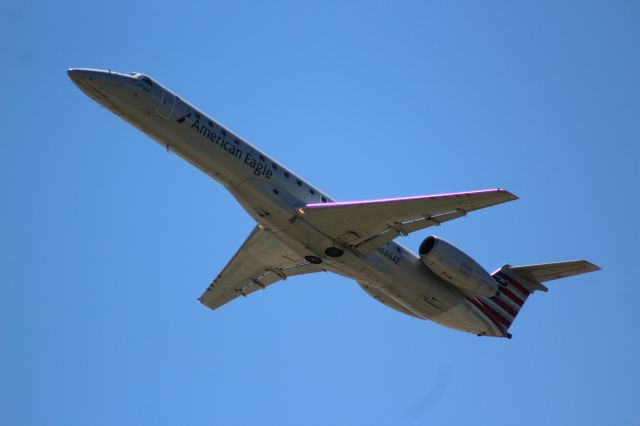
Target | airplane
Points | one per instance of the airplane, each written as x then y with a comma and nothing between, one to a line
301,230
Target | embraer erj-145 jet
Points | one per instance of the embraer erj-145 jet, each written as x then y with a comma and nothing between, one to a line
301,230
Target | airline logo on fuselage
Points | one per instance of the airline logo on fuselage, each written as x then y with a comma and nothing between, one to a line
258,167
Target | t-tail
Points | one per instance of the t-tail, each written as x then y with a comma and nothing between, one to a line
516,283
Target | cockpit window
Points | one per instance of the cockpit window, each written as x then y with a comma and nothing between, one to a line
142,77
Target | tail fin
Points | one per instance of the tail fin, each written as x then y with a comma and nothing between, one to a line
518,282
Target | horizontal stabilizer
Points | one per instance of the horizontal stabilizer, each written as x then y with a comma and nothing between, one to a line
550,271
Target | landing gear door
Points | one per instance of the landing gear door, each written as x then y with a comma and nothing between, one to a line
165,109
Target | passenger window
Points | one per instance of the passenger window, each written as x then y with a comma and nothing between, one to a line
299,182
312,191
286,174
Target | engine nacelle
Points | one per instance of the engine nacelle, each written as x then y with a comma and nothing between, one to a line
454,266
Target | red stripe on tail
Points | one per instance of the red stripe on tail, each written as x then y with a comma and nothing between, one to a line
516,284
500,322
512,296
508,309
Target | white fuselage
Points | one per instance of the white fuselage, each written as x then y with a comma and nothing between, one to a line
270,193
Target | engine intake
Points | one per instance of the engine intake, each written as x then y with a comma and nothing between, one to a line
455,267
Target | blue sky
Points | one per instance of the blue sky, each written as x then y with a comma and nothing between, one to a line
107,240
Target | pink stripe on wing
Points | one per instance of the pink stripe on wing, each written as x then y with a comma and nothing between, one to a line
419,197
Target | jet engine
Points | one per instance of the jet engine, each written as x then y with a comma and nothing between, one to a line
454,266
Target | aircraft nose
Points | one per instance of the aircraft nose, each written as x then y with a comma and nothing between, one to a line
101,85
84,75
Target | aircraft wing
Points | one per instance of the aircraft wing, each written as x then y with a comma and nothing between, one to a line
261,261
366,225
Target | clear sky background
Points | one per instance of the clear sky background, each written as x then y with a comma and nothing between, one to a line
106,240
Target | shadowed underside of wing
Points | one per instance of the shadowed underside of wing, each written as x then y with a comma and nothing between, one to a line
366,225
261,261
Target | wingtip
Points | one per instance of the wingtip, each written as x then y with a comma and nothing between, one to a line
587,266
591,267
509,194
